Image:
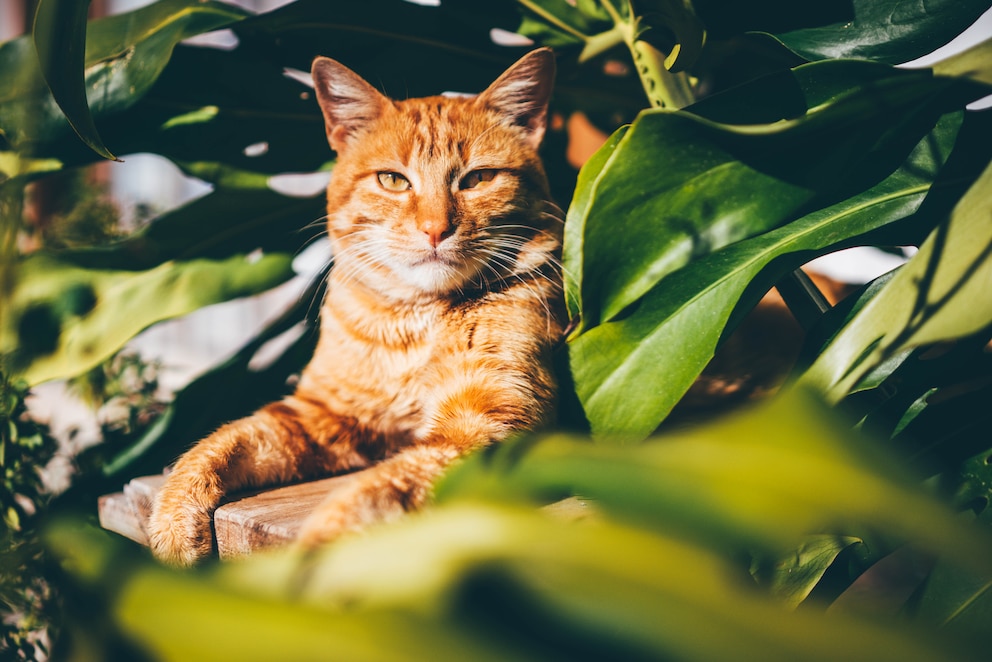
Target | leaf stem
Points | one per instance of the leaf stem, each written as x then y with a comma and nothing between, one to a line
614,14
803,298
552,19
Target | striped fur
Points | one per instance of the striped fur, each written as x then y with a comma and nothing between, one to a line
440,316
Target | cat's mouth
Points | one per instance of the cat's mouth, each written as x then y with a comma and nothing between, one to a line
435,257
438,271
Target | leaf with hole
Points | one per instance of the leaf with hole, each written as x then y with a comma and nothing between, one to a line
65,319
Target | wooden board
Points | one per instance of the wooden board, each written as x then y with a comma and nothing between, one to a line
270,518
243,524
127,512
254,521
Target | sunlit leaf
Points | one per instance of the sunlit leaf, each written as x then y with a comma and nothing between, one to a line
590,588
150,604
631,372
974,63
578,210
939,295
65,319
577,591
676,187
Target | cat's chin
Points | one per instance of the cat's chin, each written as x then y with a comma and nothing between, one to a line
435,277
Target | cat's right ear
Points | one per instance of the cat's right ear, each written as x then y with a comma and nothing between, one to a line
348,103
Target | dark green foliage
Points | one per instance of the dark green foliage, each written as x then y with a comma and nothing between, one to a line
26,599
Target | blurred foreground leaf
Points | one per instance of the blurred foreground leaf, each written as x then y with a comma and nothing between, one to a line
764,479
474,581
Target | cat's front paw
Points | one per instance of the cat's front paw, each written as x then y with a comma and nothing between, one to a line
328,523
179,529
347,512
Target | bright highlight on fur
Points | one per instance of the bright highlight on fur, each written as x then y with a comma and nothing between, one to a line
441,312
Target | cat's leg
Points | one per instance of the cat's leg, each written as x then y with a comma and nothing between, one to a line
283,442
403,481
382,493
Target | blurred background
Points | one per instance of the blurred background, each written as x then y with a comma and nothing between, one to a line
135,190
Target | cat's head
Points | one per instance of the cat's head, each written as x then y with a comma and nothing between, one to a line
437,194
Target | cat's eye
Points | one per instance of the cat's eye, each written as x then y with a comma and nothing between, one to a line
393,181
476,177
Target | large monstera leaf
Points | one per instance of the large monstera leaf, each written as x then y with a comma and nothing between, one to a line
666,233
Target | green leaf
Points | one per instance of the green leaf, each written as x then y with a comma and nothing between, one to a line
475,581
588,590
559,23
930,401
245,118
631,372
60,39
125,53
938,295
66,319
13,165
673,27
973,63
416,50
577,213
152,605
677,186
764,479
670,25
958,601
889,31
792,577
973,488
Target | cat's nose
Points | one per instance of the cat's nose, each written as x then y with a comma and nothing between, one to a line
436,232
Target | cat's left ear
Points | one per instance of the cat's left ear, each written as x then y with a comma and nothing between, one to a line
522,93
348,103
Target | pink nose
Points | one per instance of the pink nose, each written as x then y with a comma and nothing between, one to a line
437,232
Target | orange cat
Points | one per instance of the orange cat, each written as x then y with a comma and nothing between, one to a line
440,315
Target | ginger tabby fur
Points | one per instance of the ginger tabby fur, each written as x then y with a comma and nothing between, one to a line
439,320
